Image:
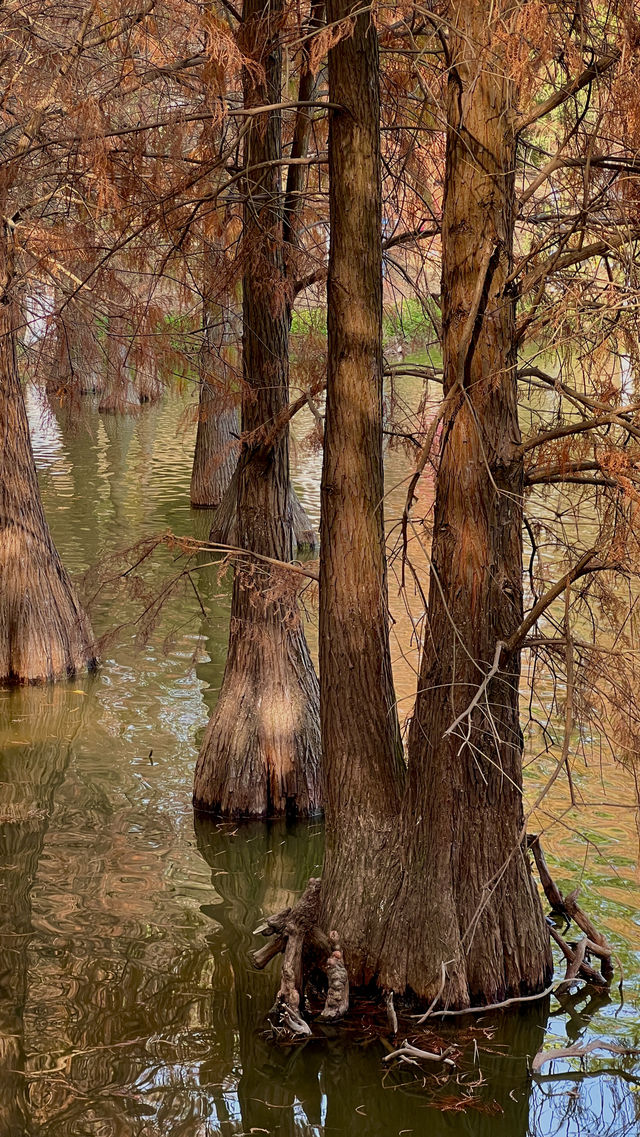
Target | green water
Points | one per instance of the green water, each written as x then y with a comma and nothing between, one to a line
127,1005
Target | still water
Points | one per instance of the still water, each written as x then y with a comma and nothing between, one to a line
127,1005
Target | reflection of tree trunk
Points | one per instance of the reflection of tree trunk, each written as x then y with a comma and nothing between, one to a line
44,633
29,778
260,752
119,430
257,872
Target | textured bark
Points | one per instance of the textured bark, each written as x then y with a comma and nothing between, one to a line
441,880
44,633
362,755
467,898
259,756
224,528
216,451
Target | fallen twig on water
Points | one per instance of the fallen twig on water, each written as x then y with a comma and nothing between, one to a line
491,1006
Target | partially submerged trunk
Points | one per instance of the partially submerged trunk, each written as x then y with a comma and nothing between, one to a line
475,911
215,454
428,886
363,768
260,753
44,633
118,394
224,528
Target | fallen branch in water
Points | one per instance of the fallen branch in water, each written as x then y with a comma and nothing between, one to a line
409,1051
491,1006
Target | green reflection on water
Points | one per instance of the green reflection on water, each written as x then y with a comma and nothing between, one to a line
127,1004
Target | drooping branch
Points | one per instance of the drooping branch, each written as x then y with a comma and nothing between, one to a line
568,906
581,567
588,75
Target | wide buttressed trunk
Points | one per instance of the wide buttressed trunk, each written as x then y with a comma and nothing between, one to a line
44,633
468,909
260,753
362,754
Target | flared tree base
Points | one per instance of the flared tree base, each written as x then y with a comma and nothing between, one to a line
260,753
44,632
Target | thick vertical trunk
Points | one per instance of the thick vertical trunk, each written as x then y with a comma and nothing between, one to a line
216,450
363,768
468,902
44,633
260,752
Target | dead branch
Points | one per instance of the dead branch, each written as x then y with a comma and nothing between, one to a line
591,72
579,569
569,907
409,1051
480,1010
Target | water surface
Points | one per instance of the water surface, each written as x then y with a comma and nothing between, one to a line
127,1005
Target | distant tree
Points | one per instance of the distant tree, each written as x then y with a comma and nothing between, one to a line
260,754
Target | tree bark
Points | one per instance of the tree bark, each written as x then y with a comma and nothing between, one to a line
438,883
363,768
260,753
224,529
44,633
216,451
467,900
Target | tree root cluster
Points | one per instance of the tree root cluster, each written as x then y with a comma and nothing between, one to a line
307,949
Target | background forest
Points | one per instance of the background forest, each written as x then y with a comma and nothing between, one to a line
319,566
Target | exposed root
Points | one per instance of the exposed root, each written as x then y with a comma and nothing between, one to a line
337,1000
295,932
285,1016
568,907
392,1017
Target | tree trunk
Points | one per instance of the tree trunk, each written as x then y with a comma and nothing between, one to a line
363,769
216,452
118,395
224,529
449,887
214,458
44,633
468,902
260,752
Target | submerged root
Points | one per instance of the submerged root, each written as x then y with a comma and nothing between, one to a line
306,948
